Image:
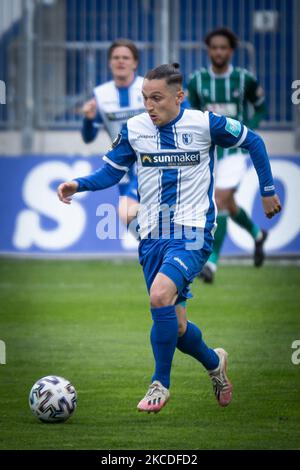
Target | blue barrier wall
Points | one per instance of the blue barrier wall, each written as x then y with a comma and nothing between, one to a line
34,221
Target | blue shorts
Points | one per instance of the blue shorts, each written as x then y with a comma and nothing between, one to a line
128,185
173,258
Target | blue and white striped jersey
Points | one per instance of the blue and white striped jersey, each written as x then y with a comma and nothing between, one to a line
176,166
116,105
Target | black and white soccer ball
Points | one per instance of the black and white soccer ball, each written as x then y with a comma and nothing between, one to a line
53,399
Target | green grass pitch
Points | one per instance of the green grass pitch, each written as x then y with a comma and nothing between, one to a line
89,321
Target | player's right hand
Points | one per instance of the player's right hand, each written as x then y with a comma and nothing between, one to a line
66,190
89,109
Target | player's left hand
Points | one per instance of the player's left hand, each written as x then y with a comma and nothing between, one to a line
271,205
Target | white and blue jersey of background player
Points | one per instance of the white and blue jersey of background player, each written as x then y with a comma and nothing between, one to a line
115,105
176,168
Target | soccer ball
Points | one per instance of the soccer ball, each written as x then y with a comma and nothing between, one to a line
52,399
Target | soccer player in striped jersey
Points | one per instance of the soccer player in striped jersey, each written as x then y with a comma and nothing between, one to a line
235,93
174,149
114,102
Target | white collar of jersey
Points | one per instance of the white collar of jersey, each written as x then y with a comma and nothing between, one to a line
220,75
128,86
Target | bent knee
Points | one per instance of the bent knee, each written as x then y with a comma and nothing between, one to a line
160,296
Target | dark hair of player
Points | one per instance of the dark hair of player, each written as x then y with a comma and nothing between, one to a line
226,32
124,43
168,72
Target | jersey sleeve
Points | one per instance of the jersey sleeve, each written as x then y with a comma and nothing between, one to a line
117,162
101,179
226,132
121,156
90,128
258,153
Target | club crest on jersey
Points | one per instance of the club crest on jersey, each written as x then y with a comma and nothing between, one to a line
170,159
187,139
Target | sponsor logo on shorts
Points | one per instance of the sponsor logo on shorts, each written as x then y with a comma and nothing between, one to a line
170,159
181,263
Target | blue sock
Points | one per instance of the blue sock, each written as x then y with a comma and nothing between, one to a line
164,335
192,343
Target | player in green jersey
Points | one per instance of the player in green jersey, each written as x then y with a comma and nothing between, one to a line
234,92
